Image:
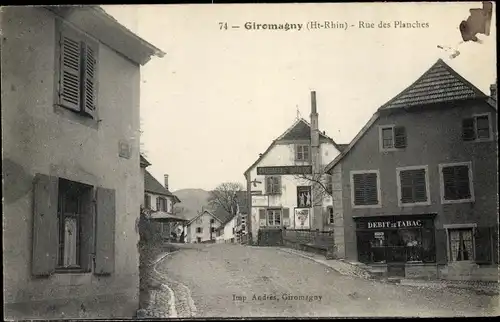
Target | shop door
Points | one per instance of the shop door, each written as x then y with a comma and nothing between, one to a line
396,255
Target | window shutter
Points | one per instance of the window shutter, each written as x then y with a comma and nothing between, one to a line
468,132
45,230
105,231
278,184
269,187
286,217
296,148
441,246
87,232
371,192
420,185
358,183
262,217
399,137
483,245
462,179
69,86
158,204
89,95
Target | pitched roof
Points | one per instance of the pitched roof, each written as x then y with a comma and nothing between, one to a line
200,214
437,81
300,130
154,186
95,21
144,162
438,84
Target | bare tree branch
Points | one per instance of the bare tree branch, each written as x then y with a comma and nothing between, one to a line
320,185
223,197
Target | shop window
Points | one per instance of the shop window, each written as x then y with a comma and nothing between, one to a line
461,244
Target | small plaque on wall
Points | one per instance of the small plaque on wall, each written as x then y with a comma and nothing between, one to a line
124,149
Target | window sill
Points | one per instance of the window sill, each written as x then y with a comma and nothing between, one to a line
391,150
76,271
445,202
366,206
414,204
479,140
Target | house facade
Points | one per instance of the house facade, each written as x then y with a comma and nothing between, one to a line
72,184
287,185
233,226
202,228
160,201
420,182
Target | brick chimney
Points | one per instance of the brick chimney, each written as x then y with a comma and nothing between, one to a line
165,180
493,90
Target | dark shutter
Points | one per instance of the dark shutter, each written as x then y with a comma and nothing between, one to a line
87,231
262,217
269,185
371,191
158,204
89,92
482,241
69,86
399,137
45,233
286,217
105,231
406,182
358,182
296,149
306,153
441,246
413,186
468,131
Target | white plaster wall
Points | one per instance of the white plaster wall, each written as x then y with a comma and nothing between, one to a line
283,155
204,222
39,140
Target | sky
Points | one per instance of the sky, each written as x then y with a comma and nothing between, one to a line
219,97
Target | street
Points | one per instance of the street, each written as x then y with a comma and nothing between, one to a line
224,280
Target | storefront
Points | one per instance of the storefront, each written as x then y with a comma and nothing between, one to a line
396,239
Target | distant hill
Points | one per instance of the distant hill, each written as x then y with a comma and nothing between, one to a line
192,200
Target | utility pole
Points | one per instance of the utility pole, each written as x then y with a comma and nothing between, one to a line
316,199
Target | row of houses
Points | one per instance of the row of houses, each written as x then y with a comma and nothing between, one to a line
415,192
72,184
220,225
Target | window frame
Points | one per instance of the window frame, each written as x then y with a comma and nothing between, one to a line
274,211
471,182
451,227
393,127
82,211
399,186
300,146
278,185
80,116
379,192
199,230
490,128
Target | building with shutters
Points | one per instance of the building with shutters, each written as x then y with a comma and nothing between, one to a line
160,201
420,182
203,227
287,184
72,181
233,226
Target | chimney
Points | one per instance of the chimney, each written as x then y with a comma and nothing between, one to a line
165,180
493,91
314,124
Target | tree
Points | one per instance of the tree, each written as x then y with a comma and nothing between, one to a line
223,197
